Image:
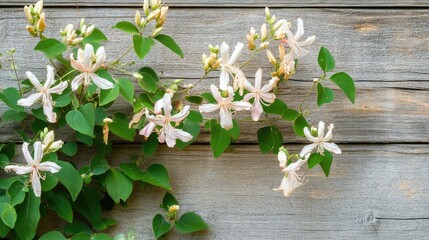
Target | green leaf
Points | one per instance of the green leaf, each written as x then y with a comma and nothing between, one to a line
190,222
8,150
108,95
84,139
324,95
168,201
8,214
269,139
170,43
277,107
99,165
234,132
160,226
70,178
132,171
290,114
299,124
119,127
191,127
82,236
325,59
325,164
194,99
49,183
28,215
5,183
126,27
88,205
10,97
16,193
51,47
208,97
314,159
101,236
77,121
76,227
69,148
150,145
64,99
345,82
13,116
118,185
4,161
61,205
219,139
53,235
157,175
95,37
126,89
142,45
150,78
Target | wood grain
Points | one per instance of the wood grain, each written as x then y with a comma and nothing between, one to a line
373,192
229,3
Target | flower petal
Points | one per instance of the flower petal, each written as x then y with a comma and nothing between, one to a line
77,81
256,110
224,79
182,135
87,56
58,89
258,79
48,110
167,105
224,51
35,183
307,149
321,130
216,93
225,119
49,167
76,64
101,82
30,100
281,156
209,107
300,29
248,96
26,154
34,81
100,58
148,129
38,152
308,135
328,135
50,77
20,170
181,115
236,54
332,147
240,106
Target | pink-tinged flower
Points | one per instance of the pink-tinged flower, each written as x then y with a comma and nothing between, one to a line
224,105
34,167
44,93
297,47
167,133
321,141
84,64
260,94
291,179
228,64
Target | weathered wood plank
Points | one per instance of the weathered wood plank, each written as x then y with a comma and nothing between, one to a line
231,3
384,45
380,114
373,192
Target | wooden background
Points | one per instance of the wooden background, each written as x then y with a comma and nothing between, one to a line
378,187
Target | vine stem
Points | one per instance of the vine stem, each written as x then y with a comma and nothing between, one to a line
16,74
196,84
122,56
250,58
306,96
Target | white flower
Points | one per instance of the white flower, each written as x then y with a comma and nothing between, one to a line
291,179
49,145
288,64
281,156
321,141
84,64
34,166
260,94
227,63
44,93
293,41
168,133
239,81
224,105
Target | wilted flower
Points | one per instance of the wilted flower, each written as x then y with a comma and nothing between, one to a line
291,179
44,93
298,48
106,122
224,105
321,141
84,64
34,167
260,94
167,133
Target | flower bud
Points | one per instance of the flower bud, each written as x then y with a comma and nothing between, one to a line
83,29
27,12
264,45
216,65
137,75
267,13
271,58
41,23
314,131
178,105
163,13
315,80
76,41
214,49
82,22
281,51
173,208
272,20
55,146
48,138
156,31
154,4
146,7
89,30
250,42
30,29
38,7
264,33
153,15
138,18
252,31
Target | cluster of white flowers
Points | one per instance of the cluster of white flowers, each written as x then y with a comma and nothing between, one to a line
291,179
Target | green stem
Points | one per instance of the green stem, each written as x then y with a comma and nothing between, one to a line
250,58
199,81
306,96
16,74
122,56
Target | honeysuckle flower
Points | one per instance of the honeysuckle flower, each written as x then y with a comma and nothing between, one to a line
291,179
44,93
239,82
69,36
224,105
34,167
227,63
260,94
167,133
288,64
321,141
49,144
297,47
84,64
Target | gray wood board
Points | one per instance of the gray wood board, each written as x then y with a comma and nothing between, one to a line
382,45
231,3
373,192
